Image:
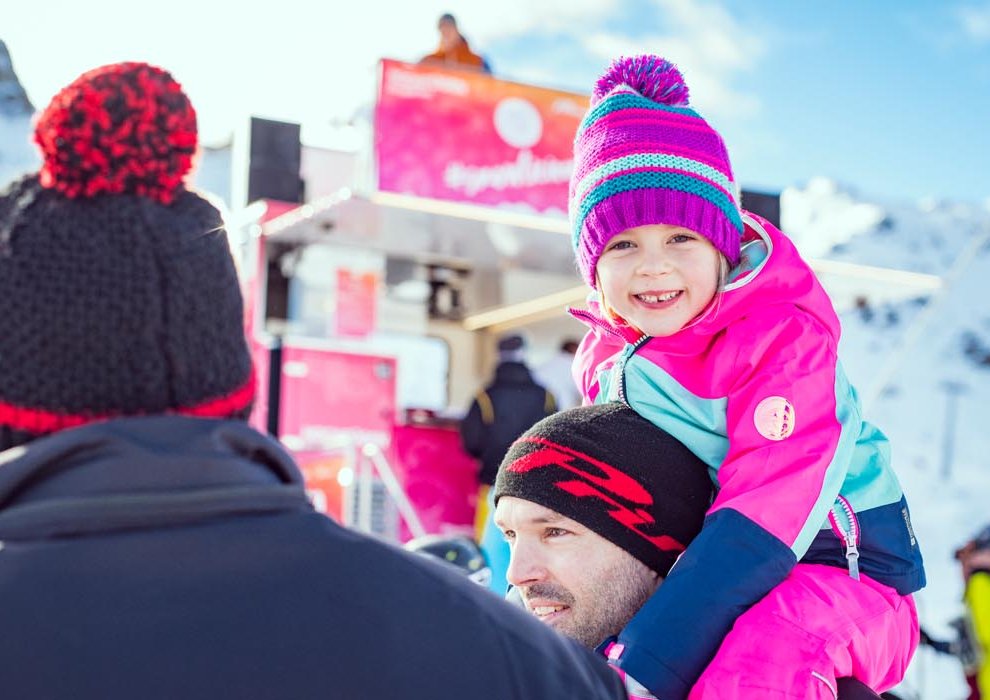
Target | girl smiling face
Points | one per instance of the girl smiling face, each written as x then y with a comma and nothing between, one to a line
658,278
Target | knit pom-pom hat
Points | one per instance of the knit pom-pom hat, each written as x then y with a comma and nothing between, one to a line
642,156
118,292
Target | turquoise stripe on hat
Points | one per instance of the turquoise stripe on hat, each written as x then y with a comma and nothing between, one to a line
627,100
656,181
658,160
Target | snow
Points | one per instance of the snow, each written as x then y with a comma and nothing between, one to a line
17,154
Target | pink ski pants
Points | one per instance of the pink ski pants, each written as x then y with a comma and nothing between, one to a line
819,624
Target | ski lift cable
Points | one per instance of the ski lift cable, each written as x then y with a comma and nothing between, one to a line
921,322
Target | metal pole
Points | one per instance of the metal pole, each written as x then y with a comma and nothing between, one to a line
364,484
274,385
952,390
350,513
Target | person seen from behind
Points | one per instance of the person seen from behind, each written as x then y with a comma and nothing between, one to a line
151,543
705,320
508,406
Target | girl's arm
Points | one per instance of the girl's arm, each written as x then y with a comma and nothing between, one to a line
790,443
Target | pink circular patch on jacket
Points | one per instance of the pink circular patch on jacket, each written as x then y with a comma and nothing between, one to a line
774,418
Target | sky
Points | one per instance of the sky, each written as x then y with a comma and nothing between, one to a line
891,99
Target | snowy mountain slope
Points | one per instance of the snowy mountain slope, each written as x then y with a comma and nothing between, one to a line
922,366
934,412
17,155
14,101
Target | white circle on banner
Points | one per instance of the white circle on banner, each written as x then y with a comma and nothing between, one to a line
518,122
774,418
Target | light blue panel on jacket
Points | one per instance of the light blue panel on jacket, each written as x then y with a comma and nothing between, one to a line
696,422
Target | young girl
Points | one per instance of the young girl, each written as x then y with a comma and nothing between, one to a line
705,320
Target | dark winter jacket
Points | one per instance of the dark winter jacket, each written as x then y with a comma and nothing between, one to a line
507,408
171,557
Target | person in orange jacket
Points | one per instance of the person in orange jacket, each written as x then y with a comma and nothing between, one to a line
454,49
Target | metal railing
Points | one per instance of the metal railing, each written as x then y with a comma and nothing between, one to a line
371,469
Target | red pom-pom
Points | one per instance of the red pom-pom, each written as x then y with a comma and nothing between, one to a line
126,127
650,76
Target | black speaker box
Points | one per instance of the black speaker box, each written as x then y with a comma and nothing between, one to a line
275,158
763,204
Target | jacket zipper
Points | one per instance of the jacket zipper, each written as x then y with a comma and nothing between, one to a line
620,370
850,536
593,320
620,367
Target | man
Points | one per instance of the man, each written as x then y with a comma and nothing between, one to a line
500,413
153,545
454,49
597,504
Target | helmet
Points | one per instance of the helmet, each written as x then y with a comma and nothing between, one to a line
980,542
458,551
982,538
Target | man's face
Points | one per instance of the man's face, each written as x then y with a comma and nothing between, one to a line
571,578
449,36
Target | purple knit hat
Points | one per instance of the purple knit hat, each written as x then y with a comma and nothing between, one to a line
642,156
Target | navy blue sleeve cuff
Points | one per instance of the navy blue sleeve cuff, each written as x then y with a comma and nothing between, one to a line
730,566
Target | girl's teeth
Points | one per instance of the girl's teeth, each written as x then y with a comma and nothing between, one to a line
654,299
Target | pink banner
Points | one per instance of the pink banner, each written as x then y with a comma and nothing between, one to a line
326,393
470,138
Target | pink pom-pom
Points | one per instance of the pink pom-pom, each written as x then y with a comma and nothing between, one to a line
649,75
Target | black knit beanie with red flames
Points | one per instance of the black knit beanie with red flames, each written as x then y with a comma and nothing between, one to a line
118,292
615,473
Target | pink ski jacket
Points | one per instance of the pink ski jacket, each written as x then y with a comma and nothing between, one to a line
755,388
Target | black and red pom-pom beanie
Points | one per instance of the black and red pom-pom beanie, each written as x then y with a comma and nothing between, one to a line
118,291
617,474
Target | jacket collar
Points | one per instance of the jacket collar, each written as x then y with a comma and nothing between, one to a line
513,373
142,472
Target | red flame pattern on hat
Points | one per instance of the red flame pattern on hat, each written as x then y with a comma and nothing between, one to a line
613,486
